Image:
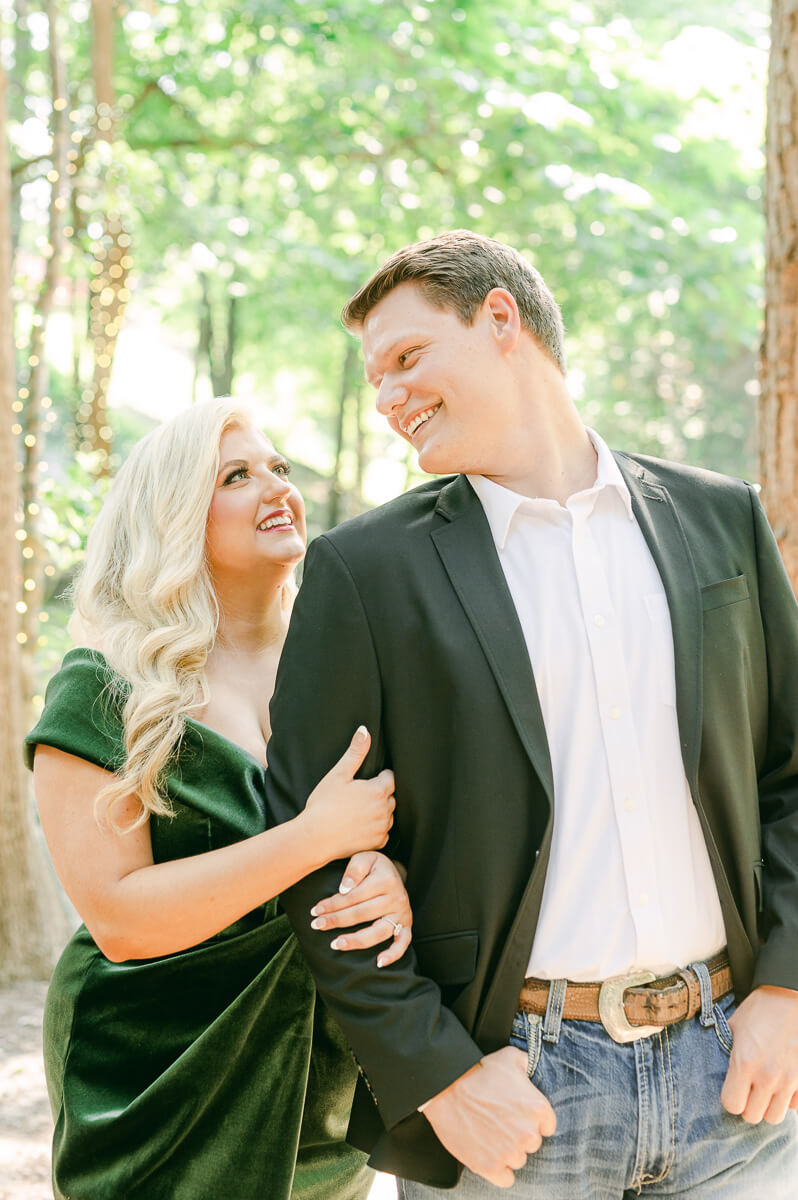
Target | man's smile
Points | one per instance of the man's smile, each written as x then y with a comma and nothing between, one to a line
418,420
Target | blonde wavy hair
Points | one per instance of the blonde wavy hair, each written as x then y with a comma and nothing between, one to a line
145,597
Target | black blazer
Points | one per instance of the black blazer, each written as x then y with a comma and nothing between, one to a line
404,623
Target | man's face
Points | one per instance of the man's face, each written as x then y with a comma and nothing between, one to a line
443,386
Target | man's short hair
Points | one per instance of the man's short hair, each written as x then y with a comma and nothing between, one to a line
455,271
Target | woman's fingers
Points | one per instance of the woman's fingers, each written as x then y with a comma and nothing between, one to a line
367,874
354,914
373,935
358,868
367,890
395,951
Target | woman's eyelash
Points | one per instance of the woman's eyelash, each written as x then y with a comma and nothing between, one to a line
244,471
280,468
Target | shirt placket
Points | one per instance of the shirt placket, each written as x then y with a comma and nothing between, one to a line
616,718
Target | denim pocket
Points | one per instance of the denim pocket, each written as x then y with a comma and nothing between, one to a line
721,1011
527,1036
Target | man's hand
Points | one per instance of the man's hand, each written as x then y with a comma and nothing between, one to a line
492,1117
762,1080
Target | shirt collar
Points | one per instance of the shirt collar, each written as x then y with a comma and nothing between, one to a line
501,504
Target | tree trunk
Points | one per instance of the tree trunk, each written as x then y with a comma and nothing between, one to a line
229,347
108,303
207,335
37,401
102,58
778,414
336,486
360,445
32,921
112,257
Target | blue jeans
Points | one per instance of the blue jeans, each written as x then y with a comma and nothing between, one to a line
643,1118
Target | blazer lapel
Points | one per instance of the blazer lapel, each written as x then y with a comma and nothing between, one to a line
661,527
468,554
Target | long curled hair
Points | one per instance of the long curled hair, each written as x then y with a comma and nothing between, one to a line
145,595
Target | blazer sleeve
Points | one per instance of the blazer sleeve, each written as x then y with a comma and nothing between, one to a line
777,961
408,1045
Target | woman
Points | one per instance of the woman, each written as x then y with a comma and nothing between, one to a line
187,1054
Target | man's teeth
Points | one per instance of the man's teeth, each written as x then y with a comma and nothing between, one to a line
419,420
273,522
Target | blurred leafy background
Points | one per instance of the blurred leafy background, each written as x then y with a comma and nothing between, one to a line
233,172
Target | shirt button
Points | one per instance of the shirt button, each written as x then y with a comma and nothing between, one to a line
598,620
615,712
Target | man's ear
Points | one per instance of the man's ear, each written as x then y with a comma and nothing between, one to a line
501,310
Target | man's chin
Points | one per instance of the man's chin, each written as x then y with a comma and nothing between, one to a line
440,463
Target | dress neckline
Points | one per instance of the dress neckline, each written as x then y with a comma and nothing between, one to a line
199,725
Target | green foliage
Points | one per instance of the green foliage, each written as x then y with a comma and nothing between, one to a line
284,149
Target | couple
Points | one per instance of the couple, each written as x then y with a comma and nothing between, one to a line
580,666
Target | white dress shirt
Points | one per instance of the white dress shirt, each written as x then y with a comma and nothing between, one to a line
629,885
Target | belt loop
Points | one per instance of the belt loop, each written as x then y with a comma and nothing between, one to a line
552,1021
701,972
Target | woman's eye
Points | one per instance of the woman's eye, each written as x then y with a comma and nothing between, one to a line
282,468
406,356
239,473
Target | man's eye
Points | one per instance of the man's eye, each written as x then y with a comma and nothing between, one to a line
403,358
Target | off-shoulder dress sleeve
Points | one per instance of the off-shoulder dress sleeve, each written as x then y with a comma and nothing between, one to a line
82,712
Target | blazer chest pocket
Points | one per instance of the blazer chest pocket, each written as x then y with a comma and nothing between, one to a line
448,958
725,591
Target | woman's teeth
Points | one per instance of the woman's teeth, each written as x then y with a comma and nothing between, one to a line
275,522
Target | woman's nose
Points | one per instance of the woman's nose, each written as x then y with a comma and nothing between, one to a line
275,487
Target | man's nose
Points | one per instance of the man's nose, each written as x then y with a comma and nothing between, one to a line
391,395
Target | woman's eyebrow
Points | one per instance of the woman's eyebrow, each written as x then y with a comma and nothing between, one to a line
234,462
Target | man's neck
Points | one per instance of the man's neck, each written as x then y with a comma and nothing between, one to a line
555,468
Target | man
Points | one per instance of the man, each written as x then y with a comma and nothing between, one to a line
582,668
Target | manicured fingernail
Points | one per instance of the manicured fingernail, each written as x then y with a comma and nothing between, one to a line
314,912
380,962
346,886
319,923
361,733
337,944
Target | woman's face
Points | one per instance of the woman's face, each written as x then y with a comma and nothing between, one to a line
256,517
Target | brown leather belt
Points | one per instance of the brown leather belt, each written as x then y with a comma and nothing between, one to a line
628,1002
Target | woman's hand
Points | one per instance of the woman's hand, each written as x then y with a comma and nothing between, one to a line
372,889
344,815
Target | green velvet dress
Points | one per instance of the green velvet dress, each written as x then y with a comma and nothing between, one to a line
213,1073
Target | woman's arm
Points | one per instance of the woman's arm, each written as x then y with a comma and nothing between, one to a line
135,908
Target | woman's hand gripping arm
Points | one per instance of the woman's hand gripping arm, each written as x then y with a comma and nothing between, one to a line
372,890
135,908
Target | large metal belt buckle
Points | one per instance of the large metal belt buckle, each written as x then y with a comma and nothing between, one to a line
612,1012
